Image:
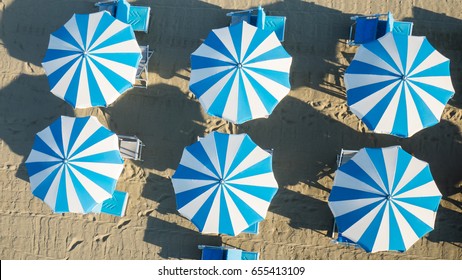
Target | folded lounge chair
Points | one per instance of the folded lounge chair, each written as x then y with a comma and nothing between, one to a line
142,72
258,18
226,253
115,205
368,28
136,16
130,147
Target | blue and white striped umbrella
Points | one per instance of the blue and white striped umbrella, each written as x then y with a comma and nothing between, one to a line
224,183
398,84
74,164
92,60
240,73
384,199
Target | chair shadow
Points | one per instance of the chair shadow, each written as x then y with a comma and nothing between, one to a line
177,242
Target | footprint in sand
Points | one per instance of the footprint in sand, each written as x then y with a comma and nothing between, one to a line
122,223
145,213
74,243
102,237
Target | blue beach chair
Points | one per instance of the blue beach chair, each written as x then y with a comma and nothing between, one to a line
137,16
257,17
226,253
142,71
368,28
115,205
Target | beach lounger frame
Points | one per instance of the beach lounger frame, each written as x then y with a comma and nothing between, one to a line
142,71
226,253
131,147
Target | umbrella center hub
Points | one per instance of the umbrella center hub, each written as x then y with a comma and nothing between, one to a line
85,53
388,197
239,65
65,161
404,77
222,182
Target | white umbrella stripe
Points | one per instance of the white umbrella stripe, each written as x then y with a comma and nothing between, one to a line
111,170
270,43
56,43
345,180
392,50
73,201
189,161
366,56
414,167
423,214
208,97
388,118
277,90
382,240
67,124
390,157
224,36
414,121
91,126
94,190
433,104
247,35
342,207
114,28
72,27
93,21
261,180
353,81
238,221
443,82
110,93
434,59
255,156
408,235
230,112
36,179
231,151
208,52
429,189
120,69
37,156
84,89
61,87
257,204
104,145
415,43
183,185
52,193
210,148
189,210
356,230
55,64
363,106
125,47
201,74
279,65
47,137
363,160
257,109
212,222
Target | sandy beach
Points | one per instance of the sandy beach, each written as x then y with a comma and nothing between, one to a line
306,130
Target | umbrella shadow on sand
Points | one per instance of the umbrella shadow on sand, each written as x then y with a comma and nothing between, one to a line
27,107
307,136
175,241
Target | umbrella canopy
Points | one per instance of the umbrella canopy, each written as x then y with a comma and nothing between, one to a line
398,84
74,164
384,199
240,73
224,183
92,60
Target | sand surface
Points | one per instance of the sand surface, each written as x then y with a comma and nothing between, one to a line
307,130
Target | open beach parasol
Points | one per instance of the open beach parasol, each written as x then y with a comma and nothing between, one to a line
92,60
74,164
384,199
240,73
224,183
398,84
